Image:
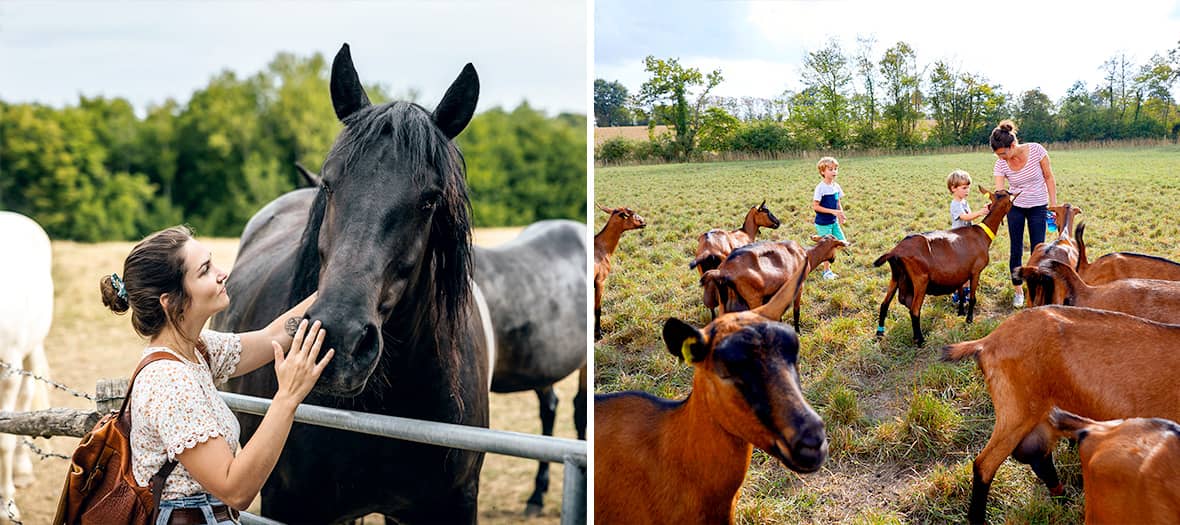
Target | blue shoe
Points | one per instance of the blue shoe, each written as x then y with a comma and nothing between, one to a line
955,297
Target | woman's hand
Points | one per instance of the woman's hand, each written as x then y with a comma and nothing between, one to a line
298,371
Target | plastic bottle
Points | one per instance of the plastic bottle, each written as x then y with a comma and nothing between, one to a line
1050,223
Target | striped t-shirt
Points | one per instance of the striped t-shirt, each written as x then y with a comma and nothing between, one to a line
1029,182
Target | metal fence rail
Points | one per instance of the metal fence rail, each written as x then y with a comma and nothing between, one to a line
570,452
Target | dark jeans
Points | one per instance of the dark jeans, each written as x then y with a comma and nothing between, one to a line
1036,232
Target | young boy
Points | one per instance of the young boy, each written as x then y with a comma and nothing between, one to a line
829,213
959,184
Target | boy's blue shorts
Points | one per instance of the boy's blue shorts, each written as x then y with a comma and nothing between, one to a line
832,229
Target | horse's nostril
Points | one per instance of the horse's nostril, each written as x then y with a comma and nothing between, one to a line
368,341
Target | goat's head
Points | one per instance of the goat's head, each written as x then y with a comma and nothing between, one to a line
999,201
763,216
825,249
625,217
1091,435
1065,217
1049,282
746,375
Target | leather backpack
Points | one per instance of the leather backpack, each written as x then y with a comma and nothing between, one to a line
100,487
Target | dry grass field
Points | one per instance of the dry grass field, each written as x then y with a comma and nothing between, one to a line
88,342
628,132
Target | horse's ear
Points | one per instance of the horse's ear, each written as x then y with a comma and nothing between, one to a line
684,341
458,105
348,95
312,179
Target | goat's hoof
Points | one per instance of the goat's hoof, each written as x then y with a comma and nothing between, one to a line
532,510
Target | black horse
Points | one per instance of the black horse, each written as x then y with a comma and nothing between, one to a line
535,286
386,240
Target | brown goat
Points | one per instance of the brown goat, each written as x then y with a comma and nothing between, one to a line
1102,364
663,461
940,262
1064,248
1122,265
752,274
1054,282
715,245
605,242
1129,467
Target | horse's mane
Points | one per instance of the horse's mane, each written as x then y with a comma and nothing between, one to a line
417,142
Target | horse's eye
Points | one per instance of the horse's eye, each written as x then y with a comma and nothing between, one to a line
429,203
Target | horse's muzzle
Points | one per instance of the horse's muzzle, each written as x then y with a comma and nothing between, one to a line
357,350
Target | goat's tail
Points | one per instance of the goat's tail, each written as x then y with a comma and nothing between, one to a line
958,351
1077,234
881,260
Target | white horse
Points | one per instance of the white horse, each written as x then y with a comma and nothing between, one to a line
26,311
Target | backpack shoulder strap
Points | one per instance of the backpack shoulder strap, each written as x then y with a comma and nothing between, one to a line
157,486
147,360
157,482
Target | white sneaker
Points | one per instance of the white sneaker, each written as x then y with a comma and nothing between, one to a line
1018,301
829,275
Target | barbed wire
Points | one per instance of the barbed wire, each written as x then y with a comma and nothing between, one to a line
55,384
10,508
43,454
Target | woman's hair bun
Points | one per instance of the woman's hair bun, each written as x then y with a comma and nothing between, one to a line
1007,126
110,297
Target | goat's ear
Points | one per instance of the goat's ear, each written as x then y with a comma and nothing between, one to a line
1072,424
985,191
684,341
844,244
816,238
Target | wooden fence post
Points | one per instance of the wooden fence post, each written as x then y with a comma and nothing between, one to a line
108,395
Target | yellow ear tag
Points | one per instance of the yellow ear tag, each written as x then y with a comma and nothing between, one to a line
686,349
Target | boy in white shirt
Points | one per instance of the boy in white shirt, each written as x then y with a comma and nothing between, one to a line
829,213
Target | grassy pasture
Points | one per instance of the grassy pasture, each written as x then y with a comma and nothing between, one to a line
87,342
903,427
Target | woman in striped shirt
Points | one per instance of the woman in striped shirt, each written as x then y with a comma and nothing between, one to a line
1026,169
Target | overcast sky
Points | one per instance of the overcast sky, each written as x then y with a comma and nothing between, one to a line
759,46
147,52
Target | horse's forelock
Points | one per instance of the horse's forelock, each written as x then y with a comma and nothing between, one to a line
307,262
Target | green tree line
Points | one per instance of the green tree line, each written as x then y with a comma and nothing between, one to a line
859,99
97,171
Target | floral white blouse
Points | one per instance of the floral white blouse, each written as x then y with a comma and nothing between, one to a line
175,405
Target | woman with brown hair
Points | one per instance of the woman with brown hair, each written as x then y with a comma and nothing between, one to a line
1026,169
172,288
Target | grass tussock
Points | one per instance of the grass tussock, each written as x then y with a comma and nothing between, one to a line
889,406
